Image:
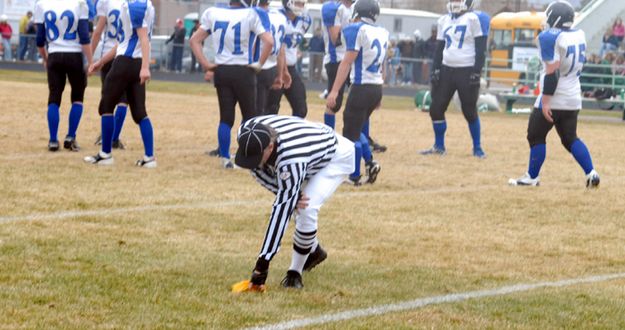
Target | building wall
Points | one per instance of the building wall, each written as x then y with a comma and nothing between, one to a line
167,11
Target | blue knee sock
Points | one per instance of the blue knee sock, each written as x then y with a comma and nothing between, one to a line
223,137
582,155
365,129
74,119
358,147
329,119
440,127
366,150
475,129
53,121
537,158
147,134
108,125
120,116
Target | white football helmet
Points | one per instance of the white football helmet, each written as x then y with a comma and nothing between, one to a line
459,6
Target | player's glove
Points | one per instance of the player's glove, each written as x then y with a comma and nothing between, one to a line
255,66
435,77
474,79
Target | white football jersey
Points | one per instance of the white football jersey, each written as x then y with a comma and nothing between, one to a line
334,13
299,27
233,31
459,33
110,10
568,47
134,14
370,42
279,30
60,19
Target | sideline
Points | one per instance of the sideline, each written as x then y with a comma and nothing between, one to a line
423,302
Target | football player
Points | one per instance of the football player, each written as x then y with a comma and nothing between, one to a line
294,88
366,46
458,62
129,73
106,29
272,73
233,30
563,52
64,27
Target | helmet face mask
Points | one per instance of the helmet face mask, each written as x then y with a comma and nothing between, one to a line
460,6
559,14
297,7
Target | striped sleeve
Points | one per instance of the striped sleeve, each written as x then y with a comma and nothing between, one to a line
289,179
266,179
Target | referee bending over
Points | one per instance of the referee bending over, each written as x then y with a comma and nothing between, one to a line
302,163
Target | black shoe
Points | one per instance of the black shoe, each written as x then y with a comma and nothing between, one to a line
98,140
292,280
314,258
372,168
376,147
53,146
355,181
71,144
117,144
213,153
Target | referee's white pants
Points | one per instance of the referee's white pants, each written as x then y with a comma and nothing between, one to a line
321,186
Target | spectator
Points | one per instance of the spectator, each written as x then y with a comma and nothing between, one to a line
429,50
6,31
618,29
31,30
610,43
178,47
418,53
23,47
393,63
316,49
405,48
194,64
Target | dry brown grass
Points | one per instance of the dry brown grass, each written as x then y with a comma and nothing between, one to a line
429,226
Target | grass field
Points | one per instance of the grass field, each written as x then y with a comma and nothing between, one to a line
124,247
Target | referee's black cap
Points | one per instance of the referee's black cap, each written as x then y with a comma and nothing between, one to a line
253,139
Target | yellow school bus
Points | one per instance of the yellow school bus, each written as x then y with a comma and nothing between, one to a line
512,44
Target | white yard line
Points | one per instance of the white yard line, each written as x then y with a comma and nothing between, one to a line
220,204
423,302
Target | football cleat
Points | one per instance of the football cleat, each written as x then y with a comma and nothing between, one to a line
372,168
147,162
100,158
227,163
292,280
213,153
433,151
53,146
355,181
314,258
592,179
98,140
71,144
525,180
376,147
117,144
479,153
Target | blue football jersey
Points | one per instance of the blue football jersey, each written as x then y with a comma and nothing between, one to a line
569,48
60,19
298,28
233,31
134,14
370,42
334,13
459,33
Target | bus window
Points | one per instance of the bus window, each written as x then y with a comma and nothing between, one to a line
502,39
524,36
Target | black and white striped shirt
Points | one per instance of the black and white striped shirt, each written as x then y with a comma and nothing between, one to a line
302,149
